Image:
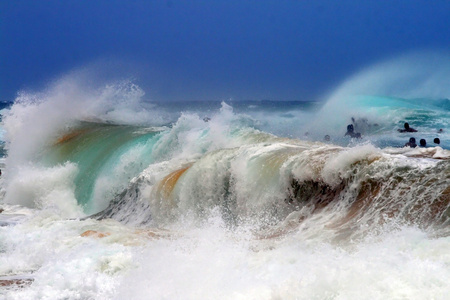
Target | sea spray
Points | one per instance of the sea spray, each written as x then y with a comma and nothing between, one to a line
248,203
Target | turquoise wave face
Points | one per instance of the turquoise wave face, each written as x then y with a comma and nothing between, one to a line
107,156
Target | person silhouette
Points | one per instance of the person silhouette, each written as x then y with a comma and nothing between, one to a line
423,143
407,128
351,132
411,143
437,141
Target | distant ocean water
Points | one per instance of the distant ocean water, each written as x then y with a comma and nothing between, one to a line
114,198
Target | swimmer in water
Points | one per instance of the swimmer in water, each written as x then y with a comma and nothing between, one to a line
407,129
411,143
351,132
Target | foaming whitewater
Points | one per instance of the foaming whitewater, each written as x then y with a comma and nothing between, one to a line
105,195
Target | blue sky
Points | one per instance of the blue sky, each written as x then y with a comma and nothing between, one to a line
213,50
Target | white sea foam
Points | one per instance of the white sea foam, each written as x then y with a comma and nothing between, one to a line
340,165
207,259
214,235
45,187
211,261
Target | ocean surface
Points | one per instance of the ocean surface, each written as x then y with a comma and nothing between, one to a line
106,196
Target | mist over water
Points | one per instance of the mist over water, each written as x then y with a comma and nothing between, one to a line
410,76
407,88
108,195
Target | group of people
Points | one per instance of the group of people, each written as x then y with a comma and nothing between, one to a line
412,140
422,142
